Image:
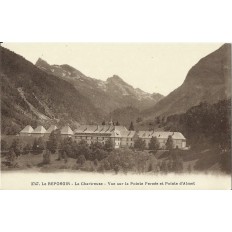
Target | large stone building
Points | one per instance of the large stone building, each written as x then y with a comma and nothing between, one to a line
119,135
179,141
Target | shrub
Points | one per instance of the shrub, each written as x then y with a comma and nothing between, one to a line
140,144
169,143
4,145
17,146
109,146
81,159
27,149
54,141
46,157
11,158
154,144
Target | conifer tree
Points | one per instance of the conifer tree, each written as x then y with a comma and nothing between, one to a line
17,146
131,128
108,146
54,141
46,157
154,144
169,143
140,144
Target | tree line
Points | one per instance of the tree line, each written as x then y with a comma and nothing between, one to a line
205,125
96,156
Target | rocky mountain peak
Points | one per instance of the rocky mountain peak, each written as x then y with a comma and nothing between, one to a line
42,63
211,69
116,79
114,92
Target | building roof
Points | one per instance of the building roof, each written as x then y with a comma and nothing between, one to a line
160,134
115,134
121,128
128,134
39,130
104,128
99,129
85,129
90,129
28,129
121,131
66,130
50,129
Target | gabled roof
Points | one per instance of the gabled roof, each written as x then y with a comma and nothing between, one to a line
39,130
94,129
66,130
144,134
115,134
51,128
160,134
105,128
121,128
166,134
86,129
99,129
128,134
90,128
28,129
80,129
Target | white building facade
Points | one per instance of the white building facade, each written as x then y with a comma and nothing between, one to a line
179,141
118,135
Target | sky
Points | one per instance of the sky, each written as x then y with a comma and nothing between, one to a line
152,67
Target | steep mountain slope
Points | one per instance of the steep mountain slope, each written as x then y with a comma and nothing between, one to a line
126,115
106,95
207,128
31,96
209,80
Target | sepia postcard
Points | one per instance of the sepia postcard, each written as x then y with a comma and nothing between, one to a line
115,116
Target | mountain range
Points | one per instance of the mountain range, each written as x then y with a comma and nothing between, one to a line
45,94
60,94
106,95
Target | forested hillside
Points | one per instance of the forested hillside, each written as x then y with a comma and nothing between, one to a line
31,96
207,128
205,124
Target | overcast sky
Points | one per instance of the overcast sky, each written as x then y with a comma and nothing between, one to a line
153,67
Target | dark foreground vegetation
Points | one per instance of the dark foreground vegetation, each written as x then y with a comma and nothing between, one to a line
66,154
207,128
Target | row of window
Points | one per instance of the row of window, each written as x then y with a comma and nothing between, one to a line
86,137
100,138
